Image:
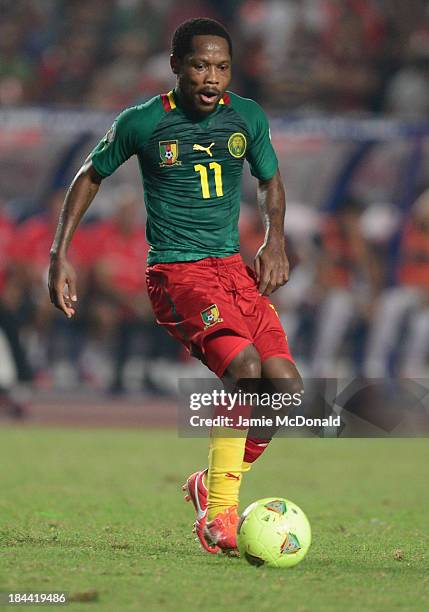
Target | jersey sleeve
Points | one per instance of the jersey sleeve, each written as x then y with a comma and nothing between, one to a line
260,153
118,145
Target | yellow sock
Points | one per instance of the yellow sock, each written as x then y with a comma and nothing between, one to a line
225,470
245,467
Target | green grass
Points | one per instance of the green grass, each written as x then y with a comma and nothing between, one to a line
102,511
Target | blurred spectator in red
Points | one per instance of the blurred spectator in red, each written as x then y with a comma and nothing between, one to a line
33,240
11,292
11,295
351,40
120,286
121,255
347,283
265,28
406,306
7,230
30,254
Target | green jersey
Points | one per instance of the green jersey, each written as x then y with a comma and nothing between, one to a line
191,171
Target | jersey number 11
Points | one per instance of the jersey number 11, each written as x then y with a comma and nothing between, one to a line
204,176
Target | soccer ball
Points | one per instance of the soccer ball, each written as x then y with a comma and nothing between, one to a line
273,532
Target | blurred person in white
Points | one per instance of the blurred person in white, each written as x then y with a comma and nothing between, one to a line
296,305
14,366
347,282
405,307
407,93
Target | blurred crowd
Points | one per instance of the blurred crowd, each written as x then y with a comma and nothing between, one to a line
357,303
358,299
337,56
114,318
345,310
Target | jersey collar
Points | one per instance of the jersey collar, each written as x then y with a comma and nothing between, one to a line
170,100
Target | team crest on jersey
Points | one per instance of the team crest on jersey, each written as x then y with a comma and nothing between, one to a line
237,144
169,152
211,316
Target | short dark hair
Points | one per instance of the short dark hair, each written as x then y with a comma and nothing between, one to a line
181,43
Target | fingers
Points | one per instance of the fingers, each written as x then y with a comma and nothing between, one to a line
272,284
71,282
272,270
272,279
62,287
61,301
69,303
263,274
265,280
281,278
264,283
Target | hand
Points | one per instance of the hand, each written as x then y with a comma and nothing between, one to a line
62,285
271,266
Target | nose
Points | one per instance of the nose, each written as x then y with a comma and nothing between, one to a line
211,76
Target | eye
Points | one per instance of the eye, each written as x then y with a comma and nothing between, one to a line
199,66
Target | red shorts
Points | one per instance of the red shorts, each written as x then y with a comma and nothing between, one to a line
214,308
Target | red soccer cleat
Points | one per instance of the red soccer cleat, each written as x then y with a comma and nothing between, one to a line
222,530
196,492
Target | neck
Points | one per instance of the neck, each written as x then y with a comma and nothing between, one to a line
187,106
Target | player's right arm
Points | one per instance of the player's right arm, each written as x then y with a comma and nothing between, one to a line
62,277
118,145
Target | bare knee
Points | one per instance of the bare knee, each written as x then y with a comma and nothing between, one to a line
247,364
283,374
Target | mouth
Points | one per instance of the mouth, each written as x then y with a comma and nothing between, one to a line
208,96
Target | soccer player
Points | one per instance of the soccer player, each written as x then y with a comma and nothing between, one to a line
191,145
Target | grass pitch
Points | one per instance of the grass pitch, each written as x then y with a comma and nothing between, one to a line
99,514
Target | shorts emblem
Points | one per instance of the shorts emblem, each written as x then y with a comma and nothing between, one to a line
211,316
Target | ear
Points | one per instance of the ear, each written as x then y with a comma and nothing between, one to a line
174,63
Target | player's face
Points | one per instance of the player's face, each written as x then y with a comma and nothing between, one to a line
203,75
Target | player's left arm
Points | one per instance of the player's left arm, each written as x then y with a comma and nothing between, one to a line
271,262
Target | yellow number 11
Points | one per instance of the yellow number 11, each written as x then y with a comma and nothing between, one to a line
204,176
